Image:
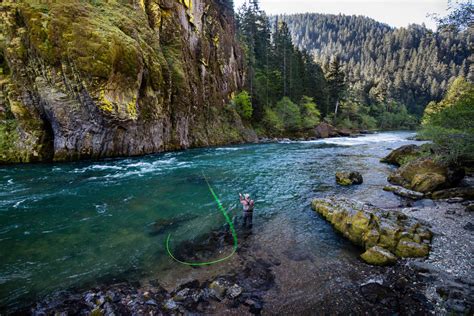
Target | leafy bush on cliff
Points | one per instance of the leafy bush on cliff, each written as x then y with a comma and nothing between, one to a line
243,105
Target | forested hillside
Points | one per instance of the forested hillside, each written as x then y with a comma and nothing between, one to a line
410,66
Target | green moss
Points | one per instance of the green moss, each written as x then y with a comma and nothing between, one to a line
410,249
132,108
104,103
379,256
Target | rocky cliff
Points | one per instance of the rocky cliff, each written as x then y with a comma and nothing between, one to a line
90,79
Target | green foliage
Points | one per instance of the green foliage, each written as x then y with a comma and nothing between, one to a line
450,123
272,123
276,69
336,83
309,113
243,105
411,66
289,114
8,137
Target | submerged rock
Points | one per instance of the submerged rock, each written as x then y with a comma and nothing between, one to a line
382,233
349,178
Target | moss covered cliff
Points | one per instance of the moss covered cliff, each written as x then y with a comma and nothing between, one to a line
90,79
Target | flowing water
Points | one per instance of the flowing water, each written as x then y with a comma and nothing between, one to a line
77,224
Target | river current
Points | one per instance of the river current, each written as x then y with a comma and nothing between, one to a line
76,225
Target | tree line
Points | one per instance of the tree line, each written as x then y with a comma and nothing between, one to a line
351,71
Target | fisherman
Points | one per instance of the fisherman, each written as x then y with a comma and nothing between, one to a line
248,205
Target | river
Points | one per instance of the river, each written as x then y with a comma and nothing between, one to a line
78,224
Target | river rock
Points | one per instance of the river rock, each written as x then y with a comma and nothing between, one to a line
234,291
370,227
401,155
466,193
219,288
379,256
425,175
344,132
171,305
349,178
400,191
470,208
325,130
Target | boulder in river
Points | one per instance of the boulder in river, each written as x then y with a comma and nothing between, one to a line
391,231
349,178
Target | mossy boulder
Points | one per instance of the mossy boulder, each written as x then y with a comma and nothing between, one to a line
349,178
384,234
402,155
412,249
427,182
425,175
378,256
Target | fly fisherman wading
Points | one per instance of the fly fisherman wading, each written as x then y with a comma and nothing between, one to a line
248,205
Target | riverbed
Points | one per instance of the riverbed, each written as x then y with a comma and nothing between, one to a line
77,225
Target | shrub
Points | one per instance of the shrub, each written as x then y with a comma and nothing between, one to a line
309,113
272,122
289,114
243,105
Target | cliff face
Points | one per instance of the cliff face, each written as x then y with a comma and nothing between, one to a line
90,79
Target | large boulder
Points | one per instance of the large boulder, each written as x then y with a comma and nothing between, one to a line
401,155
384,234
325,130
425,175
349,178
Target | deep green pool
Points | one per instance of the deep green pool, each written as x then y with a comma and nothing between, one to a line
75,224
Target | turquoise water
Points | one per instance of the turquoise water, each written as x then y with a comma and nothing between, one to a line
76,224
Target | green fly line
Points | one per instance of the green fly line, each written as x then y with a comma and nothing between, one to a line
232,229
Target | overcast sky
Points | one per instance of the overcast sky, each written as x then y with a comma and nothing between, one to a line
393,12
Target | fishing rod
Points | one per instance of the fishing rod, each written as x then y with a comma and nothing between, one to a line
232,229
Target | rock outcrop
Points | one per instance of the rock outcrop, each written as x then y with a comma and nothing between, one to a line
116,78
420,172
385,235
402,155
349,178
325,130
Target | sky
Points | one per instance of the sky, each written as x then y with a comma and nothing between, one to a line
396,13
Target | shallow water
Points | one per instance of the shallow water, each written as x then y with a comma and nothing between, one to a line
78,224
